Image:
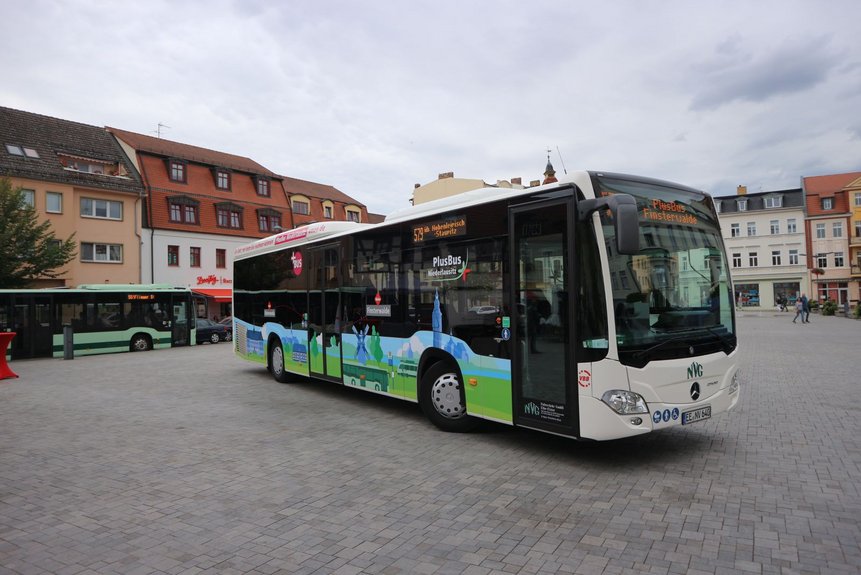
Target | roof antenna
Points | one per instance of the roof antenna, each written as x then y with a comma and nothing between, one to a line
160,126
561,160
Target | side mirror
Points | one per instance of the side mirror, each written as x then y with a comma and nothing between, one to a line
625,219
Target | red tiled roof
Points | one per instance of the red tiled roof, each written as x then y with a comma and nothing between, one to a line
167,148
314,190
829,184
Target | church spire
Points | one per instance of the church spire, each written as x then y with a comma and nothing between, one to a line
549,172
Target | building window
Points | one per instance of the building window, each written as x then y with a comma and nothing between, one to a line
104,209
228,215
301,208
220,258
858,199
184,210
837,229
822,261
54,203
262,186
353,216
18,150
190,214
268,222
742,205
177,171
752,258
327,212
775,258
858,229
820,231
793,257
736,260
751,228
838,259
774,202
827,203
775,227
194,257
735,230
790,226
747,294
29,198
717,206
101,253
222,179
173,255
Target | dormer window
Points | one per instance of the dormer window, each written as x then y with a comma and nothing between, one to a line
177,171
183,210
773,202
222,179
87,165
717,206
742,205
262,186
827,203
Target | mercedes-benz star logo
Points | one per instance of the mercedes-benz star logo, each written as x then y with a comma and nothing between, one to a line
695,391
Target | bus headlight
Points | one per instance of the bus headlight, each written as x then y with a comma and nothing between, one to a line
625,402
733,386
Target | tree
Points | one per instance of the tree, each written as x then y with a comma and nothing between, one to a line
28,249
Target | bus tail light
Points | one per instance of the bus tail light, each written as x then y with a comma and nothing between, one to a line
625,402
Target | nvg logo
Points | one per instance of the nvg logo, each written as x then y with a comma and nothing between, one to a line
531,409
695,370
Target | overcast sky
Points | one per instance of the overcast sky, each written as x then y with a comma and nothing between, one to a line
373,97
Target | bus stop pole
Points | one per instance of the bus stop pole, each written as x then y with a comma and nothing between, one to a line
68,342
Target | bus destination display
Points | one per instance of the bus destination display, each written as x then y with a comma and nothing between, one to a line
440,229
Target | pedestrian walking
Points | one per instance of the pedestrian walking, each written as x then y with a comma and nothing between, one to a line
799,310
805,307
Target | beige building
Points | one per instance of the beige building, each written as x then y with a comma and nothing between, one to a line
78,178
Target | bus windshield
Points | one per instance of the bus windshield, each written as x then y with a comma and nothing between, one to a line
674,298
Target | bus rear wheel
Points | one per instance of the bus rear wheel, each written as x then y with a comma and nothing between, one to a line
276,361
442,399
140,342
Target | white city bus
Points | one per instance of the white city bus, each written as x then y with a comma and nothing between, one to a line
614,307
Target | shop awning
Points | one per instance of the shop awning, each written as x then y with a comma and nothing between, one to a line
219,295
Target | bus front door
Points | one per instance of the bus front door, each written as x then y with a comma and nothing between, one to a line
324,321
32,324
542,365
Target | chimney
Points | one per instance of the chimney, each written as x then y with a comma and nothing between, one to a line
516,181
445,175
416,186
742,190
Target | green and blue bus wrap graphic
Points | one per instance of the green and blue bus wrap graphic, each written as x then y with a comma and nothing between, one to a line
92,343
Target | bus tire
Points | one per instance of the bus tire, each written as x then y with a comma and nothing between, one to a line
140,342
442,399
276,361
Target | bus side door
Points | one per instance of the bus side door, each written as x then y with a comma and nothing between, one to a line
543,368
324,321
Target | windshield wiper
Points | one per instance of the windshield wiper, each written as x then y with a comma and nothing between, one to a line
644,353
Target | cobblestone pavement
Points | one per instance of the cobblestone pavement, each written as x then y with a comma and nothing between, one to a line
192,461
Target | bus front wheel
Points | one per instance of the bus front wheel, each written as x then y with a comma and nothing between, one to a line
442,399
140,342
276,361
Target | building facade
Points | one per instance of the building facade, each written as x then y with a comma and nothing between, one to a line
200,205
80,180
833,224
311,202
765,242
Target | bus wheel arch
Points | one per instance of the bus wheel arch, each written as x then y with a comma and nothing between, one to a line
140,342
275,360
442,396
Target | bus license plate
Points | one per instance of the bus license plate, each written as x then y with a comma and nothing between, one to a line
696,415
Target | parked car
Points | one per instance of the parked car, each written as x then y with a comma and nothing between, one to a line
228,323
208,330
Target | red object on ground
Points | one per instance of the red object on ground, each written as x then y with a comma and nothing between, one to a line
5,339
